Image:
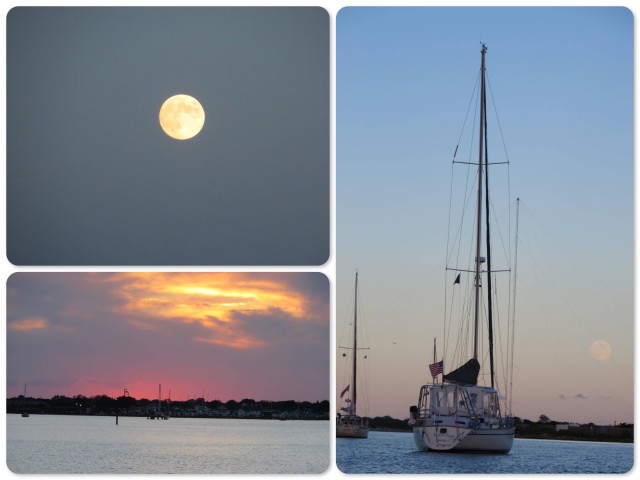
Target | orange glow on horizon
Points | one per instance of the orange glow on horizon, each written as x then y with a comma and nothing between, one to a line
171,387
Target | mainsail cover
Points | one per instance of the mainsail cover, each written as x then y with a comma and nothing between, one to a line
466,375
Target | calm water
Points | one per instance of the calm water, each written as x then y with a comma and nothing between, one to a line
386,452
69,444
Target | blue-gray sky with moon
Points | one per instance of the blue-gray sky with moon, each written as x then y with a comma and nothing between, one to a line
92,179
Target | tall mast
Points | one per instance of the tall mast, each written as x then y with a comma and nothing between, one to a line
479,213
488,246
355,346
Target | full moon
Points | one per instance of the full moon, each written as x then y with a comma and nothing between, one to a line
600,350
181,117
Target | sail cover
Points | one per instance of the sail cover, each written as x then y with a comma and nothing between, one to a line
467,374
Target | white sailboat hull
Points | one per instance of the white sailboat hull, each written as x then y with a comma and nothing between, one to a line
351,426
463,439
352,431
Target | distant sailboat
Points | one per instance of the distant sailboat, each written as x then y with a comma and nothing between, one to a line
459,414
25,414
159,415
351,425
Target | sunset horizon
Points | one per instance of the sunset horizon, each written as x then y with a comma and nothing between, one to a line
169,394
224,336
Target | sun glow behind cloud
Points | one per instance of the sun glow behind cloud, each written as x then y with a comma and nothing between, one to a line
233,335
218,302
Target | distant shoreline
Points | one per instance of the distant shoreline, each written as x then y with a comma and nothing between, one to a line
577,439
176,417
127,406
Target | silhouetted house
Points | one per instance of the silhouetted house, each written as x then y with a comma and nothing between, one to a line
567,426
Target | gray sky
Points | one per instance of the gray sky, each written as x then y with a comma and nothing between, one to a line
93,180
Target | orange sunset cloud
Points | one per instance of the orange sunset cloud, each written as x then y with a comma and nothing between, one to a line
218,302
28,324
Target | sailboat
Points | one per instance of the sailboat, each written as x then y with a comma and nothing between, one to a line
460,414
25,414
159,414
350,425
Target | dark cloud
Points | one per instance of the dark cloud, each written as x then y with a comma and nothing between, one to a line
577,396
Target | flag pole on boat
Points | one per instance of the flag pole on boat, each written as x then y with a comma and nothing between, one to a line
434,378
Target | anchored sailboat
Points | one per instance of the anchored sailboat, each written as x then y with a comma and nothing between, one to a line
351,425
25,414
159,414
459,414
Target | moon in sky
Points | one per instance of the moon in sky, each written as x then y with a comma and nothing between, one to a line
600,350
181,117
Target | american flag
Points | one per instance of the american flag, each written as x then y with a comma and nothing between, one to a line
436,368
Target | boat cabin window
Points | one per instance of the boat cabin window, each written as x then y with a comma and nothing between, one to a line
443,401
490,405
424,400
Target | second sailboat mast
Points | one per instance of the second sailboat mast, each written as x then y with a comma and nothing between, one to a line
355,347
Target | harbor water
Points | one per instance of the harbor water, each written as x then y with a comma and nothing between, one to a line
91,445
391,452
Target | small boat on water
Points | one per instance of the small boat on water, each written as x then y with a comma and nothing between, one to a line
159,414
460,414
350,424
25,414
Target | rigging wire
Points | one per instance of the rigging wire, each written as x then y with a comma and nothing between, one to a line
504,144
513,310
464,302
363,371
511,303
474,94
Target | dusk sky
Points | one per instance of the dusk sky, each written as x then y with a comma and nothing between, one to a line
92,179
562,83
225,335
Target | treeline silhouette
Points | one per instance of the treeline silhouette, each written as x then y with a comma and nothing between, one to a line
129,406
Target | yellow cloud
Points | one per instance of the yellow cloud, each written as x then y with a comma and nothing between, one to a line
212,300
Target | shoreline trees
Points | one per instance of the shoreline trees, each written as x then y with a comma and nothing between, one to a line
129,406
